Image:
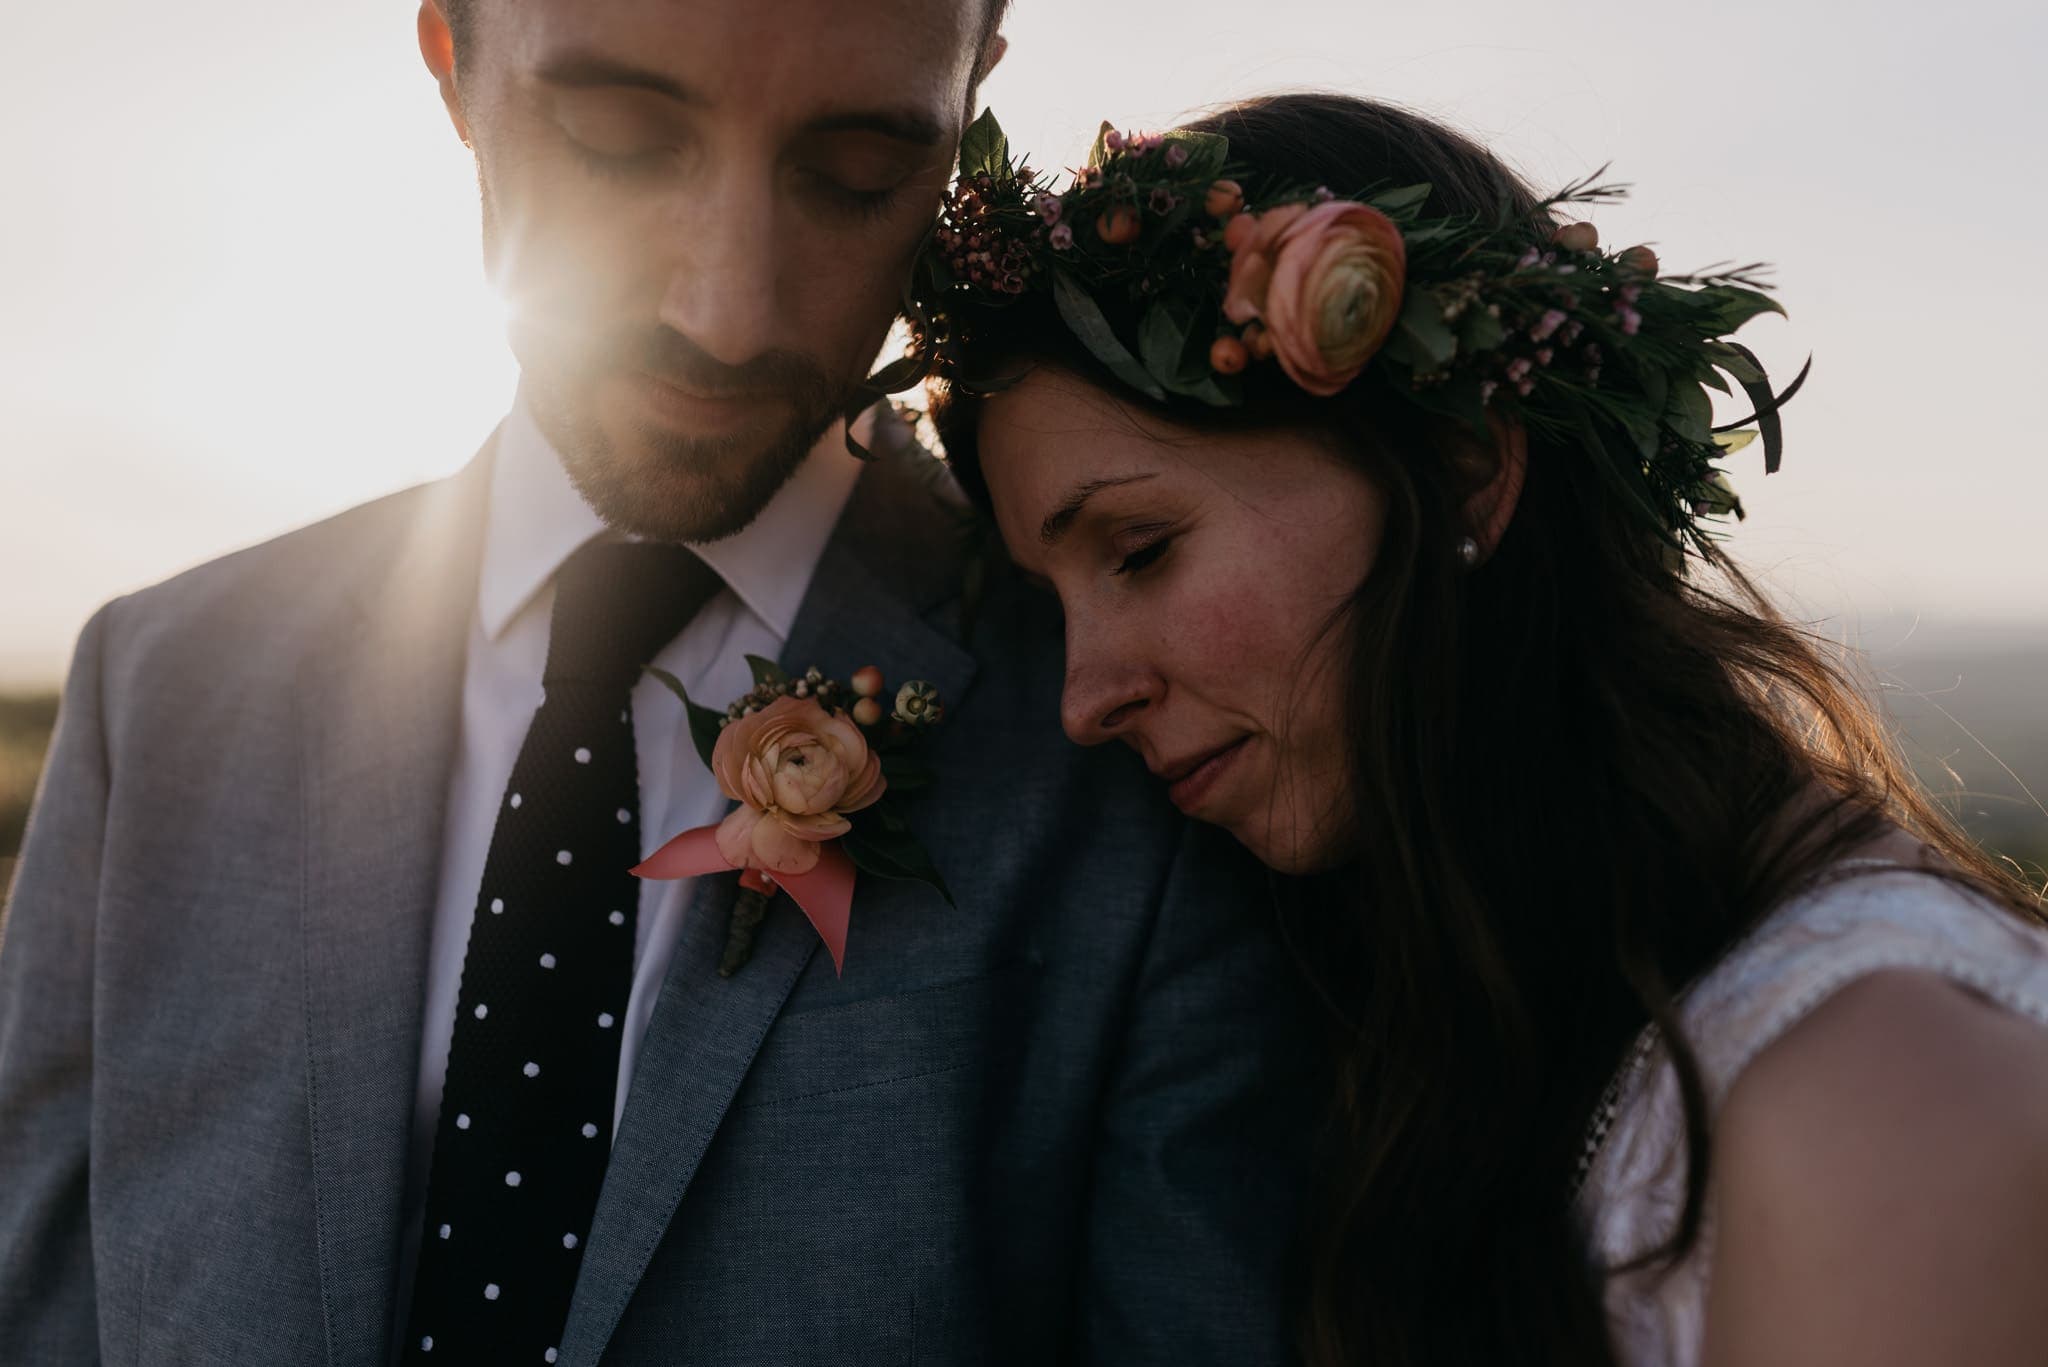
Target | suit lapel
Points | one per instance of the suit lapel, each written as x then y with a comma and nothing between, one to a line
381,700
891,561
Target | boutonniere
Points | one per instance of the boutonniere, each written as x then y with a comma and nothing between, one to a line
817,767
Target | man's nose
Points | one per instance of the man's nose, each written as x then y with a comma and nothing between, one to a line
722,288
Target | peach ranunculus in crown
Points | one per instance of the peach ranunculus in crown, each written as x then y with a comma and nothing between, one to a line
796,770
1325,281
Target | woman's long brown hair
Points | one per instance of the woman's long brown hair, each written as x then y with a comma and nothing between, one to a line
1580,775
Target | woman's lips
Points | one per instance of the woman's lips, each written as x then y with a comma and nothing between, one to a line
1198,779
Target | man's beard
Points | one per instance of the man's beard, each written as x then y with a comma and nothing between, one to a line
663,485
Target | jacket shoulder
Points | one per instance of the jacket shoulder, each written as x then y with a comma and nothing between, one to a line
251,603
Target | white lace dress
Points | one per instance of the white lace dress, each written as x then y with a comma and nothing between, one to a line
1866,917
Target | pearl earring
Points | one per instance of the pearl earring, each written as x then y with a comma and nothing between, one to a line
1468,551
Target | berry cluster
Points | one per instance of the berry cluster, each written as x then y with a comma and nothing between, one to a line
977,234
917,702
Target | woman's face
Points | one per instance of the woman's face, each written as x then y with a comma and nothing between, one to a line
1205,577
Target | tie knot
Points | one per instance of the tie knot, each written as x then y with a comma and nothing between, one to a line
617,603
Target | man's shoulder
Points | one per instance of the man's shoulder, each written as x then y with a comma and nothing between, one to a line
268,594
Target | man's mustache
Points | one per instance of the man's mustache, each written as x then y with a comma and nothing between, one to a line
666,355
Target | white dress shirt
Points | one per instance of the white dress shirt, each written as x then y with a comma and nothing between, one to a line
534,522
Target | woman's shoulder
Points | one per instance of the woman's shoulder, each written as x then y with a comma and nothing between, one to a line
1879,1172
1901,911
1878,1014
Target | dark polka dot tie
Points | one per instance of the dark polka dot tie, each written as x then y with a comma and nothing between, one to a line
526,1114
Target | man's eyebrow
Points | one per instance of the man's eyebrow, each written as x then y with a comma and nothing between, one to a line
1061,518
903,124
588,70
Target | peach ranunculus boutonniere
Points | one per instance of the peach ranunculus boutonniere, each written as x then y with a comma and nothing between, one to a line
796,771
803,758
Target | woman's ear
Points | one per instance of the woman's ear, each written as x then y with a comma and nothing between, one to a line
437,49
1497,474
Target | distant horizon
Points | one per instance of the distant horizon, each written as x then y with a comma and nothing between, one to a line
263,303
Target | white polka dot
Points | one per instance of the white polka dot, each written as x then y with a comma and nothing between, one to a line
462,1122
532,1069
563,856
582,755
617,918
547,961
604,1020
482,1010
511,1179
427,1344
568,1241
625,817
445,1231
491,1291
516,800
497,906
590,1131
549,1356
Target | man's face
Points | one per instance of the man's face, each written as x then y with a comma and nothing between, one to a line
701,213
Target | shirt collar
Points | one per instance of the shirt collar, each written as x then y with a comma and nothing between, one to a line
536,520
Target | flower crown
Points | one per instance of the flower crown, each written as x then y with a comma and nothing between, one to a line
1187,281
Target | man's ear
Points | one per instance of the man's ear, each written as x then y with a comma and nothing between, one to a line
437,48
990,55
1497,473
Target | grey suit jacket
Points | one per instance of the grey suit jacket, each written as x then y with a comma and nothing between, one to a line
1064,1122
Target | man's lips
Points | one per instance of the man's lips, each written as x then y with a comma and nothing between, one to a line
699,410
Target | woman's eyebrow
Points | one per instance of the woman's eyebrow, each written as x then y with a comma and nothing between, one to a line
1061,518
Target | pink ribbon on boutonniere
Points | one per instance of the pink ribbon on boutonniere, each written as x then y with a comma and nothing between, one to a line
824,895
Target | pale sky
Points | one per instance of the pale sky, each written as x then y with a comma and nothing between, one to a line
240,290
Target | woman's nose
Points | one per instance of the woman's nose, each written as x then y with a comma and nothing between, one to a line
1104,694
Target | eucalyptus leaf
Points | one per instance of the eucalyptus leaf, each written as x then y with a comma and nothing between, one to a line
1208,153
1733,305
1689,413
1731,442
1768,424
1162,338
1400,201
1218,391
1735,361
705,724
766,671
1717,496
1098,151
1422,324
1479,330
984,150
893,854
1088,324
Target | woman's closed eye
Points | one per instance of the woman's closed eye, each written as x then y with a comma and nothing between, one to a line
1141,548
